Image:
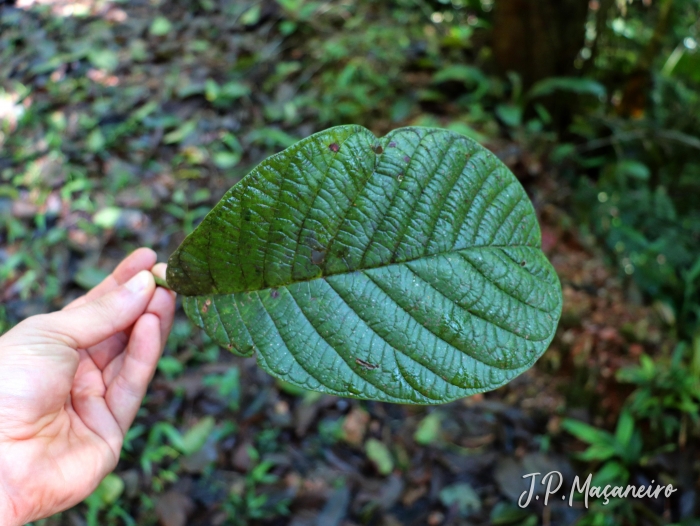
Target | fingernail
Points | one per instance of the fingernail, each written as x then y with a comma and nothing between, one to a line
139,282
159,269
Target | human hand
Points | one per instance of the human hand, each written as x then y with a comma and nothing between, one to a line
71,383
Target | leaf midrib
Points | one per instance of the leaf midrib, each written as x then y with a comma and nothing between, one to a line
404,262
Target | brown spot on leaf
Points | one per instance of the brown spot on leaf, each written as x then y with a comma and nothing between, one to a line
205,307
365,364
334,147
377,148
522,263
318,256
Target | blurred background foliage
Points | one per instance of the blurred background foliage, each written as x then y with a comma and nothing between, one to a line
122,123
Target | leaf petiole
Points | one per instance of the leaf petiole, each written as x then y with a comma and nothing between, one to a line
160,282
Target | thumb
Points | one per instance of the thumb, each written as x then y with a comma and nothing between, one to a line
84,326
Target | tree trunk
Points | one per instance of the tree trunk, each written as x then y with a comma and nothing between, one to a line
538,38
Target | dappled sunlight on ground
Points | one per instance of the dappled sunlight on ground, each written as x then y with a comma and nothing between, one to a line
11,109
100,8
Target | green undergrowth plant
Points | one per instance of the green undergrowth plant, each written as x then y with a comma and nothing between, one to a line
637,178
667,393
405,268
643,178
615,458
165,447
250,498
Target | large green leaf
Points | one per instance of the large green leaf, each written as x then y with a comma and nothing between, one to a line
405,268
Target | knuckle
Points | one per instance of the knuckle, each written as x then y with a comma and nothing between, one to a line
45,327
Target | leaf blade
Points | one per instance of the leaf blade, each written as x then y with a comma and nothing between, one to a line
405,268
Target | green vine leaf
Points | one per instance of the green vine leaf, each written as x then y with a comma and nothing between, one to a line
405,268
